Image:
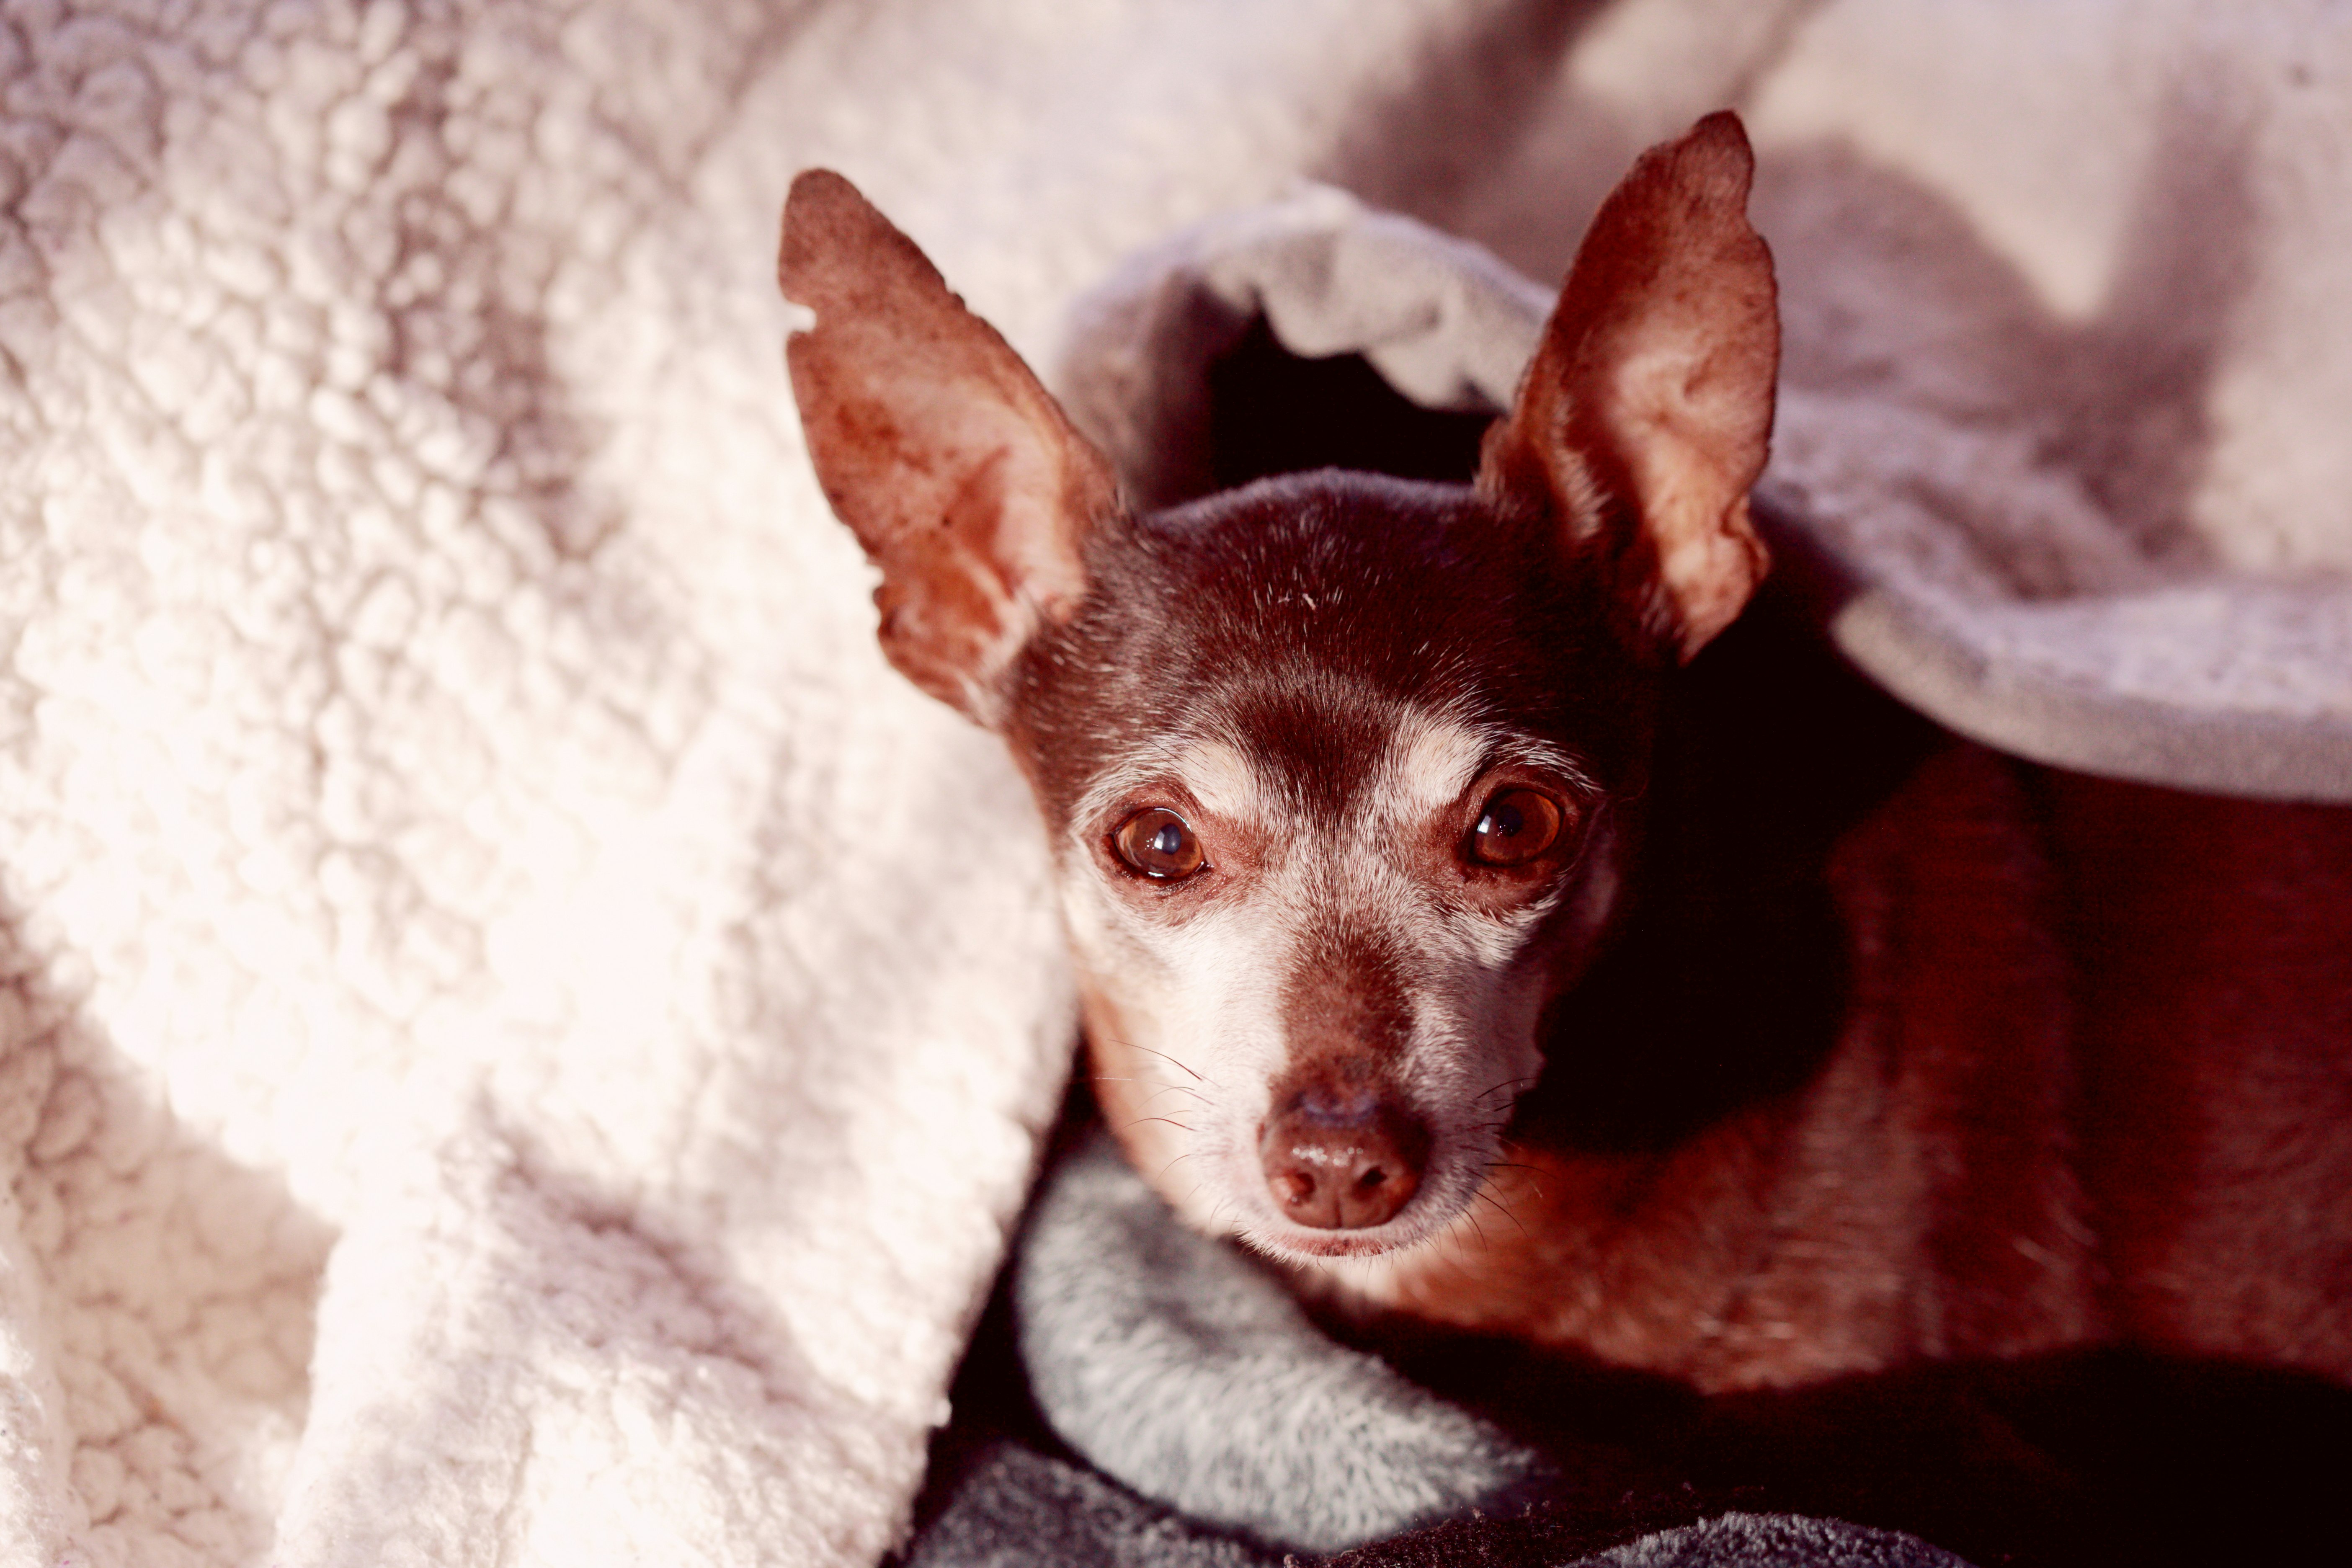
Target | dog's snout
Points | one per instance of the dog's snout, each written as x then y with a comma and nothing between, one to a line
1342,1159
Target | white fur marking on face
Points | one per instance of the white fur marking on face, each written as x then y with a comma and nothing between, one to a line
1221,780
1431,759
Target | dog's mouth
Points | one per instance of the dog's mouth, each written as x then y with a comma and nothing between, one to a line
1325,1245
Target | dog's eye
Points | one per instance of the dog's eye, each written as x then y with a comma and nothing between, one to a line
1516,825
1158,843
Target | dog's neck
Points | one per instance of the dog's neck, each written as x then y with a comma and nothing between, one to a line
1719,982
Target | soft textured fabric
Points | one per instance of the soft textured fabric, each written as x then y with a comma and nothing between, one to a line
1022,1509
1169,1361
520,1037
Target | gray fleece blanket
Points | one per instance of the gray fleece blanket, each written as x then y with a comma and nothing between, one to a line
1208,1424
1981,574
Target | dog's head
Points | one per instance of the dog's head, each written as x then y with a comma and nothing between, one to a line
1339,770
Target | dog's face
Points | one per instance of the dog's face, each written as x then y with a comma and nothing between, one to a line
1339,770
1328,766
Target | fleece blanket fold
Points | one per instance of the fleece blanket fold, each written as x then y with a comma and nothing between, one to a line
520,1040
1972,573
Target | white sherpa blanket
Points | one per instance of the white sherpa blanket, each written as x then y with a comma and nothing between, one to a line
519,1037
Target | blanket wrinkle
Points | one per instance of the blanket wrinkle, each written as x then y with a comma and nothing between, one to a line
159,1307
633,1335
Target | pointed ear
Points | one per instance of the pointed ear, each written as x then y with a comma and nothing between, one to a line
957,471
1648,410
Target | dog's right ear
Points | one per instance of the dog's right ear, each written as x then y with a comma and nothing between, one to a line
1648,410
956,470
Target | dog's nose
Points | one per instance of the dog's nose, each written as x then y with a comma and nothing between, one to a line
1342,1159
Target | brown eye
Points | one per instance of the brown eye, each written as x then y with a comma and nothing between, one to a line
1158,843
1516,825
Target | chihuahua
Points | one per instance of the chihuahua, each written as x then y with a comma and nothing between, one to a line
1372,810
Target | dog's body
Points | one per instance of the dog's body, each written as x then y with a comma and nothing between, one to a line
1413,940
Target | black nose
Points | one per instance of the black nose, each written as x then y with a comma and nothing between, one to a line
1341,1159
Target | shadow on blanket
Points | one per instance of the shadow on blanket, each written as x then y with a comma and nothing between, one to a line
159,1298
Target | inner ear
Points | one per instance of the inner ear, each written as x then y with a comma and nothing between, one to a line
1646,416
954,467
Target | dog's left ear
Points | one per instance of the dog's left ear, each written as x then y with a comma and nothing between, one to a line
1647,413
955,469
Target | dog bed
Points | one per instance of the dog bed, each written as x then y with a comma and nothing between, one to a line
495,1063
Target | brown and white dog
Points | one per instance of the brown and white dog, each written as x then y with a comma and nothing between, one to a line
1425,946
